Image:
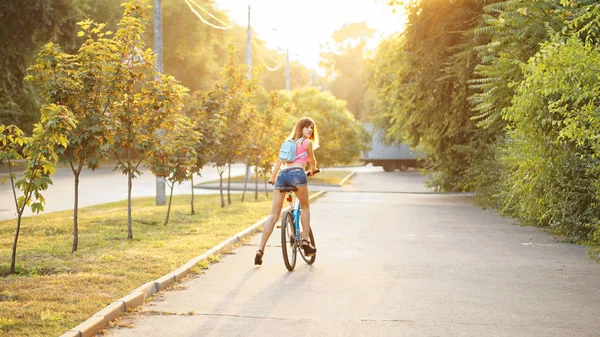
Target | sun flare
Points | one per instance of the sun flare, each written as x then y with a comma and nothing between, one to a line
304,28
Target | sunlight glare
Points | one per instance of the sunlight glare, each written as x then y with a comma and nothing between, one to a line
303,26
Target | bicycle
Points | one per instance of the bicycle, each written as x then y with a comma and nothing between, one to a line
291,232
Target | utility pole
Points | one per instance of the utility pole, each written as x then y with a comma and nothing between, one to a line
287,69
249,47
161,198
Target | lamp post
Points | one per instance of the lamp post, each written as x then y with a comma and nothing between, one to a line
161,197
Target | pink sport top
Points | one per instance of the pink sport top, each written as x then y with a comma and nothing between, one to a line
301,152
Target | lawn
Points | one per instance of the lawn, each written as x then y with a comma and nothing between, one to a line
56,290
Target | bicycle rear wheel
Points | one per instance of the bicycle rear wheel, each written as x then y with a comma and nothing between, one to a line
309,259
288,244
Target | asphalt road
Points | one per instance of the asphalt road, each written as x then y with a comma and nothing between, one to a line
98,187
394,259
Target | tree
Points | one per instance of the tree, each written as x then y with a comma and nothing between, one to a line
40,153
344,59
25,26
513,31
258,145
147,101
193,52
343,137
85,84
233,116
273,121
204,130
553,154
251,148
422,81
212,105
176,155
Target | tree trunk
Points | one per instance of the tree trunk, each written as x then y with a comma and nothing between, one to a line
13,259
14,252
169,207
229,184
192,202
221,189
76,210
256,183
245,182
129,184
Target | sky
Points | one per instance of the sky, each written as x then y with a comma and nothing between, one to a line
302,26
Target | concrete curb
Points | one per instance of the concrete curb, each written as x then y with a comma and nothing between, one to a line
346,178
101,319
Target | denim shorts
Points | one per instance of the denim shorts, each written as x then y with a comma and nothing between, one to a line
294,176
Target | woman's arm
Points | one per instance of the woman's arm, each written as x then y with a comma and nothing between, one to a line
275,171
311,157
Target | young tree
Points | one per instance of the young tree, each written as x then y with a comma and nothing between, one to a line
234,114
274,121
40,153
176,155
212,105
85,83
147,101
143,121
250,149
203,128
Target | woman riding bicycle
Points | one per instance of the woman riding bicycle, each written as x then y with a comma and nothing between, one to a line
307,139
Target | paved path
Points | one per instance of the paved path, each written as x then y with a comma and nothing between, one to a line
394,259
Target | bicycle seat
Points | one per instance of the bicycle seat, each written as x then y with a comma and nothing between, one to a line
288,189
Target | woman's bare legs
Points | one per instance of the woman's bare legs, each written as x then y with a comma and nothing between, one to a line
273,217
302,195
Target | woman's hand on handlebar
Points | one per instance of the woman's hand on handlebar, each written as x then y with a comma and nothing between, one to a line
312,172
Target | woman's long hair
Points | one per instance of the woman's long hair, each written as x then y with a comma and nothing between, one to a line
301,124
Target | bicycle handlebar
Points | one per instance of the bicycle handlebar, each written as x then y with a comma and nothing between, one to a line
308,172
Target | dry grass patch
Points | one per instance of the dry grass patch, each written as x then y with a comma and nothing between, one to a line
55,290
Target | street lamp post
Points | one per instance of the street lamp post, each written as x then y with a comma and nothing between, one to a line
161,197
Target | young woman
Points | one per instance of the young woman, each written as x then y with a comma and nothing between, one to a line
307,139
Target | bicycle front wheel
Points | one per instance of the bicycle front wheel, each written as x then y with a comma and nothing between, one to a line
309,259
288,243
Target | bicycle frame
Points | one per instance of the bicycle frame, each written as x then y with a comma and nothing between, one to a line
296,211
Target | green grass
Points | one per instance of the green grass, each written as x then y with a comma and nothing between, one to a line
322,178
56,290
